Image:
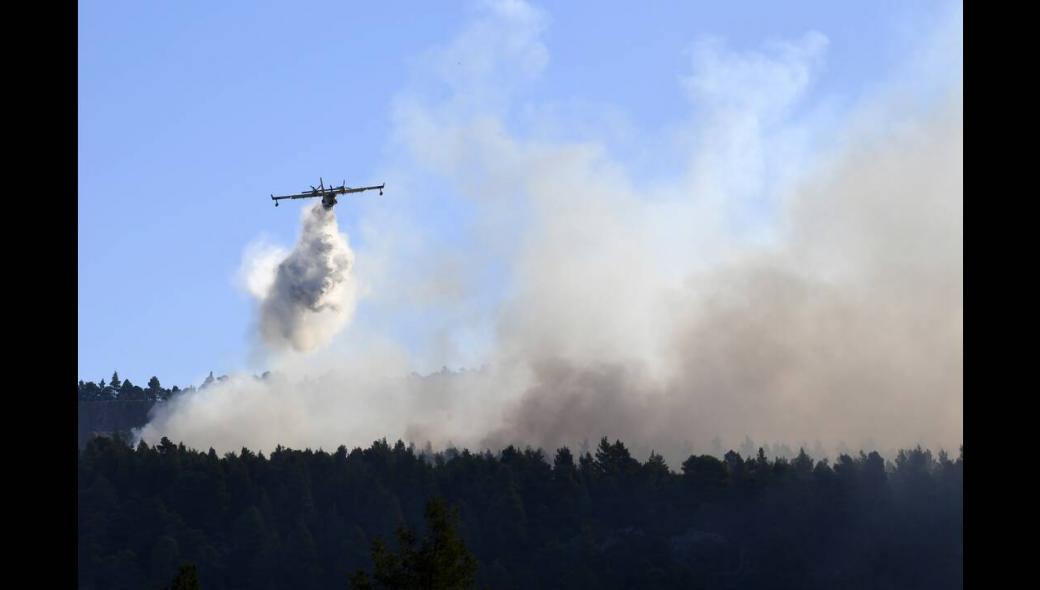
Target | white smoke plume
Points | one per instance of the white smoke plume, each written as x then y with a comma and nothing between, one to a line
309,296
782,282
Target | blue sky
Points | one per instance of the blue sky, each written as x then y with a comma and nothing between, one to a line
191,113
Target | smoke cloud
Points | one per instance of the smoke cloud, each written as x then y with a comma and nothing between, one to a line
793,279
310,295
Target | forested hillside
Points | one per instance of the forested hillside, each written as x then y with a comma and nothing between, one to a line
119,406
306,519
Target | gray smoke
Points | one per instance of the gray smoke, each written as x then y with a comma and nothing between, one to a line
848,329
312,294
655,312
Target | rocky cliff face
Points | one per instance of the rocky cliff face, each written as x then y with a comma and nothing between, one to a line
107,417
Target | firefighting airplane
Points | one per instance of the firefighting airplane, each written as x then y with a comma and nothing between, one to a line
328,194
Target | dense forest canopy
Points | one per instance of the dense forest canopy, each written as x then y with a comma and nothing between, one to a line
598,519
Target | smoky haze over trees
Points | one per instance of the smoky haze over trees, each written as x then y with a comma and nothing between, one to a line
773,279
602,518
130,424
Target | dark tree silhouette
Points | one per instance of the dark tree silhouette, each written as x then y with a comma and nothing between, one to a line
441,562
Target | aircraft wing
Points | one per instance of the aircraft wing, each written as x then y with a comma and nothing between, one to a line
346,189
299,196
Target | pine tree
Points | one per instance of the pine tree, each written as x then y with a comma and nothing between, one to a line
441,562
614,459
656,467
803,464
